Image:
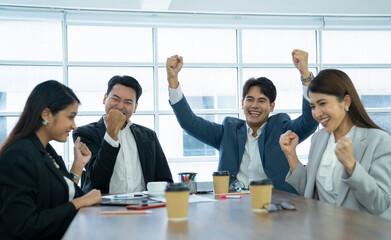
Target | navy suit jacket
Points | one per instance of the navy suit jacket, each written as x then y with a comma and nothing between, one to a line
34,197
230,139
101,165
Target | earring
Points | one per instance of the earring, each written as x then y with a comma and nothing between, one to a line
45,122
346,108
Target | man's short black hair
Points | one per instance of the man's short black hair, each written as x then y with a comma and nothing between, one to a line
126,81
267,87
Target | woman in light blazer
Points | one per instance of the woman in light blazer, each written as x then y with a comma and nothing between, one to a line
349,163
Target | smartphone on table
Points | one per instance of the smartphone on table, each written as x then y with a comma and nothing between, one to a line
146,206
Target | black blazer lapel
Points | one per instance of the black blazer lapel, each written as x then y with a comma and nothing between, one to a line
49,162
101,129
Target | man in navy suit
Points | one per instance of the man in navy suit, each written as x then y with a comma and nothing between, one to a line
249,149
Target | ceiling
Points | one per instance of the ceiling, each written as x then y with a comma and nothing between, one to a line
265,7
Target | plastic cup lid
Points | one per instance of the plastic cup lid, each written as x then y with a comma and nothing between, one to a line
177,187
266,181
221,173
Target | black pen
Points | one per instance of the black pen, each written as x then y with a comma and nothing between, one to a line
204,192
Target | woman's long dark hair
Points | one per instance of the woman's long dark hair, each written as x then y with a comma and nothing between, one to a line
337,83
49,94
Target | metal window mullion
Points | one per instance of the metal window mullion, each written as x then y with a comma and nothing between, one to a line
155,79
357,65
90,113
319,60
30,63
378,110
319,56
10,114
205,65
110,64
239,47
202,112
65,78
320,46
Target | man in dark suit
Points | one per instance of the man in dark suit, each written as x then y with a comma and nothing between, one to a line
249,149
125,156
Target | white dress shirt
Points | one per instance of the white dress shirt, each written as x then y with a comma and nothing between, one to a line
127,174
328,177
71,189
251,166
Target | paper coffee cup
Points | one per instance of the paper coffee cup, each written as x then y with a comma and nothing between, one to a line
221,182
177,201
261,194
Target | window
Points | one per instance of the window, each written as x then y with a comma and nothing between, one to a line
220,83
18,81
273,46
109,44
198,45
356,47
30,53
90,84
6,123
374,89
31,40
85,49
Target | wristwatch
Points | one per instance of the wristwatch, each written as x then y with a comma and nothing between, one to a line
74,176
308,79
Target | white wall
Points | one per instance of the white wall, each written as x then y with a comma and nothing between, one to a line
284,7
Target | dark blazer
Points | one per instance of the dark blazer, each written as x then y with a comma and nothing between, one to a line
34,197
101,165
230,139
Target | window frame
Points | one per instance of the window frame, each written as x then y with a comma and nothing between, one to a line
155,21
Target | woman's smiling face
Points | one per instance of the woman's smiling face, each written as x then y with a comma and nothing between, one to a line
329,111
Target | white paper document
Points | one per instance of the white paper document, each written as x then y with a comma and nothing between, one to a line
135,195
192,199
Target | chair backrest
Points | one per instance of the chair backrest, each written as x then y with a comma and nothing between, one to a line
83,178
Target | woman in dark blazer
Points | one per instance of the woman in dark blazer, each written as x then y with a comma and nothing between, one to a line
38,196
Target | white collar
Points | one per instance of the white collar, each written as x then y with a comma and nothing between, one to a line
259,131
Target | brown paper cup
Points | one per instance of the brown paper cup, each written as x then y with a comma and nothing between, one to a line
177,204
260,195
220,184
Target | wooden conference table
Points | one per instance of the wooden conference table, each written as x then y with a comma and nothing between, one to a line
233,219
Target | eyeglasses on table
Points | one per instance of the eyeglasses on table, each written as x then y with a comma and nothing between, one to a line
275,207
239,186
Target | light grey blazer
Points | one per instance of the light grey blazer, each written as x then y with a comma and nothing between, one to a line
368,189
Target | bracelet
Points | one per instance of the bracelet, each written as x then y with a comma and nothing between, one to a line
74,176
